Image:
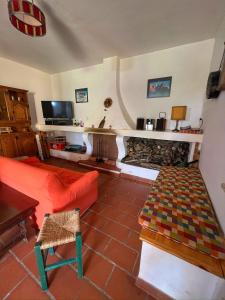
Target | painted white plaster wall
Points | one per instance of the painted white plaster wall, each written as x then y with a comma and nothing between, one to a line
36,82
212,163
178,278
64,85
187,64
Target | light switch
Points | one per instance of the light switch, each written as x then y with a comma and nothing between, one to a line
223,186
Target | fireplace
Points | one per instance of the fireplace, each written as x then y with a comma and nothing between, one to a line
152,153
104,147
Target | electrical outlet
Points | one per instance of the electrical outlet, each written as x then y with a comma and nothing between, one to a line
223,186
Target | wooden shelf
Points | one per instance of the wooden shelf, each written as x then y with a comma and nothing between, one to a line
160,135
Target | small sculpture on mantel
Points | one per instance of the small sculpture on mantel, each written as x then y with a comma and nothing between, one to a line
102,123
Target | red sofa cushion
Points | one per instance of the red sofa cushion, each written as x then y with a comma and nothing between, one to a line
55,188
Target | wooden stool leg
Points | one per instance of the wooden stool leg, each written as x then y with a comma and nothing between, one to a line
41,266
79,254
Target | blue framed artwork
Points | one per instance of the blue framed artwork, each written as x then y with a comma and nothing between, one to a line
159,87
81,95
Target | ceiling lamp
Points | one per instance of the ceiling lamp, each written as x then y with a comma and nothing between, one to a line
27,17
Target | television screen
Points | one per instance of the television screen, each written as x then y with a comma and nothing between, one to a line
57,109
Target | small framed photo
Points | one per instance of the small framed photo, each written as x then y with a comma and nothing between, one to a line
159,87
81,95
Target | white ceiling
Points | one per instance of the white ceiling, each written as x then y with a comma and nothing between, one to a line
83,32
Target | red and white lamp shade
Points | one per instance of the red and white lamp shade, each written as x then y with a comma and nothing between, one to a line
26,17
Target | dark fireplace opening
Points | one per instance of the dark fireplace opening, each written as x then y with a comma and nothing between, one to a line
151,153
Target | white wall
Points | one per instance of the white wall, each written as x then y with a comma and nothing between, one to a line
64,85
187,64
36,82
213,150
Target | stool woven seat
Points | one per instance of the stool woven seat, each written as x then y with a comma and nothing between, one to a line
59,229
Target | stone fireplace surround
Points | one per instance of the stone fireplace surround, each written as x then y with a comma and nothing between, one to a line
122,135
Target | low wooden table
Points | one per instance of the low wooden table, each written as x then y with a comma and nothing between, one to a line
15,208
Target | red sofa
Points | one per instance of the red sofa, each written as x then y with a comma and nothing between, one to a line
56,189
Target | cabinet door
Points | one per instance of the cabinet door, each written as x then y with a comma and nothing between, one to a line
4,113
26,143
8,146
20,111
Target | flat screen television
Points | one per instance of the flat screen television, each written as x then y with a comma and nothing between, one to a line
57,109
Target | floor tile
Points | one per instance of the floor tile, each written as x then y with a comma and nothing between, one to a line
69,250
64,284
122,287
11,274
89,292
98,207
95,220
121,255
30,262
117,231
112,212
134,241
96,268
130,221
95,239
136,266
23,248
28,289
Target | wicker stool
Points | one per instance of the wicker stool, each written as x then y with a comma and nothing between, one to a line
58,229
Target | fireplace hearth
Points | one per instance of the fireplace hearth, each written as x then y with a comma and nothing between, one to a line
153,154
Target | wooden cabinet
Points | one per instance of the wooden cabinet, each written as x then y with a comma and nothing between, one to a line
26,144
4,105
8,146
20,111
18,144
14,105
14,113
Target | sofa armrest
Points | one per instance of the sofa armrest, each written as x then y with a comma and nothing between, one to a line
76,190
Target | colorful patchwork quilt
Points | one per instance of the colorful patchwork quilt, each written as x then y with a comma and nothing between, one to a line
179,208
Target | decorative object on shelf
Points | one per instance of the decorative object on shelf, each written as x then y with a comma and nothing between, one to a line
102,123
57,142
178,114
161,122
26,17
5,130
216,80
191,130
140,124
149,125
159,87
107,103
81,95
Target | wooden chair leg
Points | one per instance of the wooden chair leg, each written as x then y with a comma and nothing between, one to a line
41,266
79,254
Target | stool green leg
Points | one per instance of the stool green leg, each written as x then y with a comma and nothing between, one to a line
41,266
51,251
79,254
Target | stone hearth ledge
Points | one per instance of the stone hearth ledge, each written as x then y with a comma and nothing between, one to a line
121,137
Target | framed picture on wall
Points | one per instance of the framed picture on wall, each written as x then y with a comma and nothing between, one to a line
159,87
81,95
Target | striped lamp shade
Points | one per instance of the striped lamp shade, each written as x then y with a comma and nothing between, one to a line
27,17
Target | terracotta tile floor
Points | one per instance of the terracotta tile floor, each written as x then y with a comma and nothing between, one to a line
111,251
